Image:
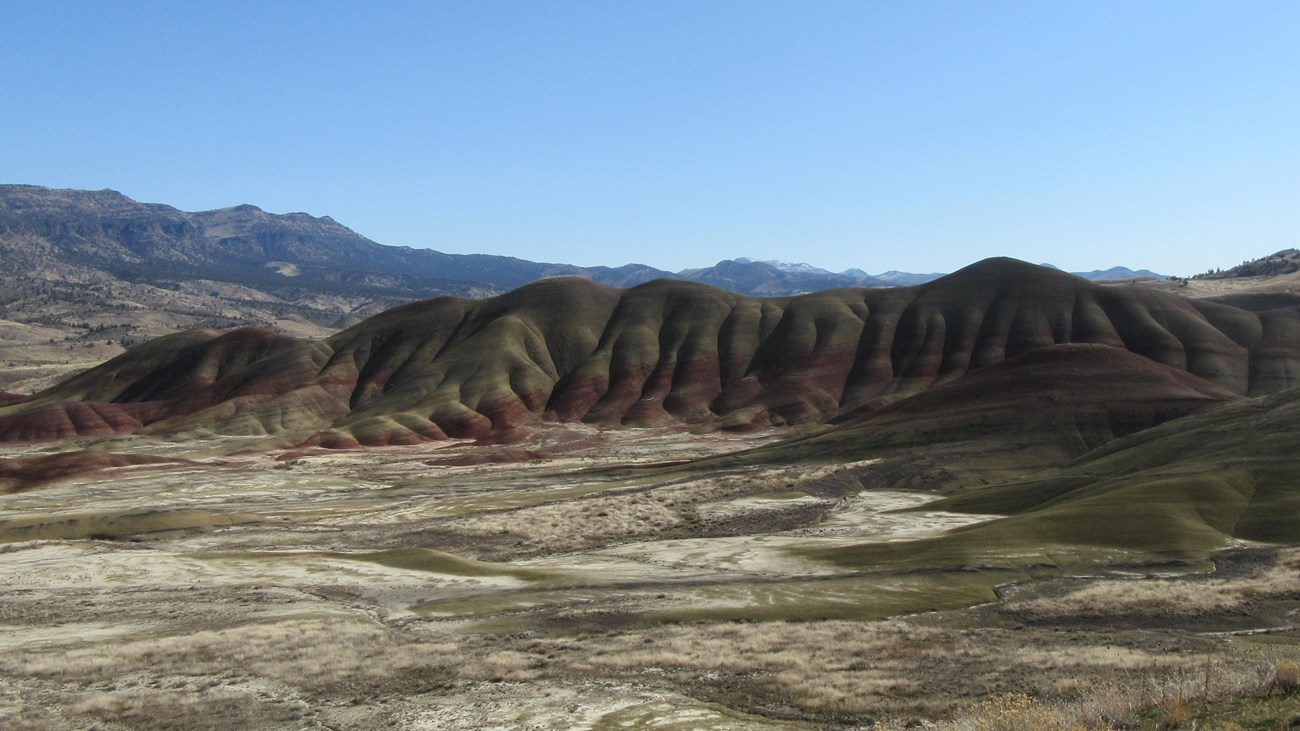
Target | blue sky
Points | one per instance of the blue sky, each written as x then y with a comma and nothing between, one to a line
919,136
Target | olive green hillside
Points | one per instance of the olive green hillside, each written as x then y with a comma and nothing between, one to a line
247,381
1175,493
1033,411
665,352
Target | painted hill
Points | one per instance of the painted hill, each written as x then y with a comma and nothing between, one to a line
663,352
1033,411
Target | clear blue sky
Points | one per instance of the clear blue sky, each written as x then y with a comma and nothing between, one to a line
919,136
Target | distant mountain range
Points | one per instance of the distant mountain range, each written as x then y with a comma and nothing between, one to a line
291,254
1114,274
141,241
98,267
859,278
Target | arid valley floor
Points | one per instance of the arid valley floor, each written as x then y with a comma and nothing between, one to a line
603,582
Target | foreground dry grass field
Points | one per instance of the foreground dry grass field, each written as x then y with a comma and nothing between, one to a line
564,583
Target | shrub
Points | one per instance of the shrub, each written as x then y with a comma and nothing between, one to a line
1286,677
1013,712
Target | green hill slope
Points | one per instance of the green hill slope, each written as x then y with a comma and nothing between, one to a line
1177,492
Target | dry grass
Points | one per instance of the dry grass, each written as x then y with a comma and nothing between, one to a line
846,670
576,524
1012,712
1172,699
1177,598
1286,677
282,673
312,653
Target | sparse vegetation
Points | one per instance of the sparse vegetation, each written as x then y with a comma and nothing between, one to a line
1286,261
323,613
1183,599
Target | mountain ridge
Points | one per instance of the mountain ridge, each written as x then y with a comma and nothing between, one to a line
108,229
661,353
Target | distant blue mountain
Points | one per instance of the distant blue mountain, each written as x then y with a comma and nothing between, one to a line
905,279
1113,273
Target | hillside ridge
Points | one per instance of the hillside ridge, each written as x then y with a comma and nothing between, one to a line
660,353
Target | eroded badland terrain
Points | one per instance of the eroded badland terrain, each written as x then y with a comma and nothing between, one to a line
1005,499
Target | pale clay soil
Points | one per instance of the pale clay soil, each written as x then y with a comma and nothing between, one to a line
372,589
